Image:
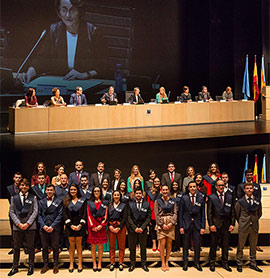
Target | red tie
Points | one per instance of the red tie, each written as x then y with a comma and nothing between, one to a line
79,100
79,177
193,200
49,198
171,177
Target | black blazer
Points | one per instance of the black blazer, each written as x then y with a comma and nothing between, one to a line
132,99
166,179
11,192
94,179
257,190
38,192
218,216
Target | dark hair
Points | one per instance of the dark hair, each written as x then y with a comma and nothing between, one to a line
188,168
92,197
84,176
26,181
58,166
18,173
164,185
54,90
49,185
209,168
247,184
248,171
117,170
171,163
36,169
225,173
41,174
119,183
29,93
172,191
68,198
138,189
140,184
78,4
191,183
195,177
112,196
185,88
151,171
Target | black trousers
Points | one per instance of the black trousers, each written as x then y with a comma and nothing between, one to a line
18,237
192,230
37,237
177,242
220,236
133,238
50,239
152,231
63,241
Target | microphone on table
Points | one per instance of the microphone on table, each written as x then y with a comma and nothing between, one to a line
25,60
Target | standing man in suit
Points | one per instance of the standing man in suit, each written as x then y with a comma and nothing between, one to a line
109,96
227,186
78,98
75,177
171,176
248,211
85,188
98,177
139,217
136,98
23,212
50,211
12,190
191,217
221,220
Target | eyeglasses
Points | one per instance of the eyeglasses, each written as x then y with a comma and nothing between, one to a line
71,11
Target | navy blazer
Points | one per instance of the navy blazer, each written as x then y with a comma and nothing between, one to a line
74,99
187,212
61,192
38,192
74,179
50,216
257,190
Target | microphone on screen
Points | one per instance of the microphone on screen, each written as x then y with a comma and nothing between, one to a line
34,47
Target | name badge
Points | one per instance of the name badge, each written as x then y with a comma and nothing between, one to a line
55,204
230,189
256,202
171,202
102,205
126,197
28,201
198,204
110,193
255,187
81,201
228,205
119,210
143,209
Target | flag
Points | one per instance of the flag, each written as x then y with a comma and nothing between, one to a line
262,75
263,178
255,171
246,167
255,82
245,88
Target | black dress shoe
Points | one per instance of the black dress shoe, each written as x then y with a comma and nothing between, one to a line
254,267
198,267
121,267
131,268
226,266
112,266
95,269
239,268
70,270
80,270
145,268
11,252
13,271
30,270
185,266
212,267
99,269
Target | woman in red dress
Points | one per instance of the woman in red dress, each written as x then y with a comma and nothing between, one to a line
213,174
97,216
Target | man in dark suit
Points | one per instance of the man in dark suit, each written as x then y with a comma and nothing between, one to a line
227,186
12,190
78,98
139,217
50,211
248,211
221,220
191,217
75,177
23,212
136,98
171,176
85,188
98,177
204,95
110,96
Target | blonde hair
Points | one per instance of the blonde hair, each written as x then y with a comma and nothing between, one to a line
164,94
132,176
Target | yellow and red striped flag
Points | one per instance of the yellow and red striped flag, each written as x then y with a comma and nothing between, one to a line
255,171
255,82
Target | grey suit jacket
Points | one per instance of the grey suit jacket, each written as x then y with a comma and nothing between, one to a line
30,218
94,179
166,180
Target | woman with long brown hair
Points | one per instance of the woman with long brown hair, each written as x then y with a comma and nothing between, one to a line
213,174
40,168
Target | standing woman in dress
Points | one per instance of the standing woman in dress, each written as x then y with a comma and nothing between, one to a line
117,228
152,194
75,216
166,219
97,214
134,175
213,174
40,168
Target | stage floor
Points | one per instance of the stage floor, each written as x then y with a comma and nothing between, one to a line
238,130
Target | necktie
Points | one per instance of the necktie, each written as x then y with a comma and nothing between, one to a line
49,198
171,177
193,199
139,206
221,199
79,100
249,201
79,177
24,197
100,177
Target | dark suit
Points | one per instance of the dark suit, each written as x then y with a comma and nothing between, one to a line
192,219
73,177
138,219
222,217
94,181
133,99
257,190
247,217
74,99
167,180
201,96
108,97
50,216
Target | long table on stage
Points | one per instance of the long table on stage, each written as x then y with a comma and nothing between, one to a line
50,119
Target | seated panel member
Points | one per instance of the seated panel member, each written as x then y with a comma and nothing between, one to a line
191,219
186,95
110,96
248,211
139,217
228,95
78,98
221,220
75,177
23,211
50,210
57,100
30,98
161,96
136,98
204,95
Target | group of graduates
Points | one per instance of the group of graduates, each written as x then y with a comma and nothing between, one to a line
91,210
